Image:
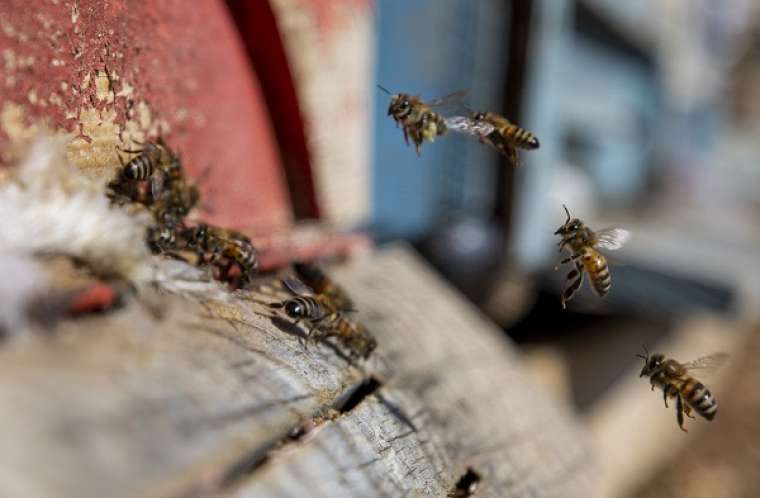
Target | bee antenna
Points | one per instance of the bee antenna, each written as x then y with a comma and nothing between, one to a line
646,352
567,212
381,87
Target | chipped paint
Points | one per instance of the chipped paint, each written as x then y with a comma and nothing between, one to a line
126,90
55,99
9,57
144,115
103,90
85,81
74,13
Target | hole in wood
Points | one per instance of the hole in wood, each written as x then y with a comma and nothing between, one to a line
467,485
366,388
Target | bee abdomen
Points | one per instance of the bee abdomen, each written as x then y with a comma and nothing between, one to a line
701,399
312,309
139,168
522,137
245,255
602,281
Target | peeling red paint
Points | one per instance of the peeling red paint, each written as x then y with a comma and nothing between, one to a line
184,59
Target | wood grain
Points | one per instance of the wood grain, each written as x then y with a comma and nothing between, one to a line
209,401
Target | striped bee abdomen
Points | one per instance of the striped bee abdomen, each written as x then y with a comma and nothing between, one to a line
523,138
598,271
700,398
244,254
304,307
139,168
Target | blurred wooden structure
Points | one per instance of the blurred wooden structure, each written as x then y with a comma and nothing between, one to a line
217,398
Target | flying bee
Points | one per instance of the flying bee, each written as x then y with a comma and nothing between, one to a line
674,380
326,319
584,245
417,118
500,133
315,278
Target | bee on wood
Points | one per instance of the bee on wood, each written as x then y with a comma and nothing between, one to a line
162,237
315,278
121,191
223,248
326,319
178,196
150,163
583,245
674,380
417,118
506,136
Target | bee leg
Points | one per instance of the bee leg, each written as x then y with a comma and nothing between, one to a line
665,397
130,151
572,288
567,260
679,412
687,411
512,156
406,134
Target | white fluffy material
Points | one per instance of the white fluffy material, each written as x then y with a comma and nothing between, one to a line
49,206
23,281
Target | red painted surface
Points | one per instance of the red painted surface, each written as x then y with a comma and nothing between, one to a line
258,29
183,58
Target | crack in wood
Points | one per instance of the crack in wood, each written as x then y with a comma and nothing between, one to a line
255,459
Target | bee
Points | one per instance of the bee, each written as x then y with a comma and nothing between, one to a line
121,191
326,319
315,278
674,380
222,246
417,118
506,136
584,245
150,163
162,237
177,198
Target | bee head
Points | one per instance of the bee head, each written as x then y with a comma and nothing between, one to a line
400,106
295,309
570,226
651,362
478,116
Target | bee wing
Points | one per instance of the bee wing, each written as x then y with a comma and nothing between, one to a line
448,100
612,238
707,364
296,286
157,184
462,124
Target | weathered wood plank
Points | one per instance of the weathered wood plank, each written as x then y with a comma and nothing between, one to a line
453,375
201,403
370,451
119,405
488,414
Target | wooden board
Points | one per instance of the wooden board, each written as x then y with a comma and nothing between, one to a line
217,398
